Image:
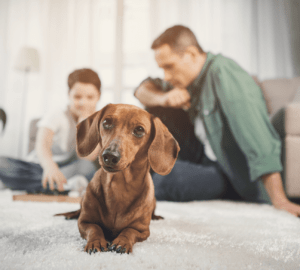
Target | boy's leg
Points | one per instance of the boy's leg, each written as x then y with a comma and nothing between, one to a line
79,167
20,175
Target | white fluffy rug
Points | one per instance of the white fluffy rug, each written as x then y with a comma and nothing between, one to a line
196,235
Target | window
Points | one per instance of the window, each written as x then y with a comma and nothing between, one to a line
133,51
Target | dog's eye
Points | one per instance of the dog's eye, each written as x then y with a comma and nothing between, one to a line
139,131
107,123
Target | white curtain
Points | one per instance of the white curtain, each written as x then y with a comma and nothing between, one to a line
254,33
66,35
72,34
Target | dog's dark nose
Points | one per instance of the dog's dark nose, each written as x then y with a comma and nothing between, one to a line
111,158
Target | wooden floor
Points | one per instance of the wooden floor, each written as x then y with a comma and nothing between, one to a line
46,198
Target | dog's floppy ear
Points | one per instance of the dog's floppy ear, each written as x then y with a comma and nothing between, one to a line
88,134
163,150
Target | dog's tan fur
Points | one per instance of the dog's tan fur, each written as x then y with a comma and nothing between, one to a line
119,201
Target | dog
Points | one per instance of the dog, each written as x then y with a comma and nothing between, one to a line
119,202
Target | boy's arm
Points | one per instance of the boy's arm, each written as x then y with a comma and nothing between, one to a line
51,173
274,187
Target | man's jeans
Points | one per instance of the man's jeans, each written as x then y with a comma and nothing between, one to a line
194,176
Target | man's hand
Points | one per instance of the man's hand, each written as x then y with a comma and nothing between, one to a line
52,174
177,98
150,96
274,187
290,207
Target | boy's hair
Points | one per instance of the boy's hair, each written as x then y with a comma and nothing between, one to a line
84,75
178,37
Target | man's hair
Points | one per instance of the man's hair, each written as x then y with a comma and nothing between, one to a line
84,75
178,37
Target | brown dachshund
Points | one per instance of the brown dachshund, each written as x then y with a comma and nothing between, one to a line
119,202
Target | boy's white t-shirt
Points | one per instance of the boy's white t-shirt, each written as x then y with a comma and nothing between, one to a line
63,125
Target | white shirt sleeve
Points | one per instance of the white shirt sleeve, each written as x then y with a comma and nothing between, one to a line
63,144
51,120
58,122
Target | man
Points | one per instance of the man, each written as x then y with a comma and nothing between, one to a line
226,111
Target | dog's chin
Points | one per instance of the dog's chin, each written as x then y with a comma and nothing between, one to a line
110,169
114,169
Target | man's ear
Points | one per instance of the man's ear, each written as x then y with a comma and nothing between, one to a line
163,150
192,52
88,133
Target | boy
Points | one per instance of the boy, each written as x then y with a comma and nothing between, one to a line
54,159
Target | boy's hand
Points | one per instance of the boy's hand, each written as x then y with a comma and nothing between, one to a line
53,174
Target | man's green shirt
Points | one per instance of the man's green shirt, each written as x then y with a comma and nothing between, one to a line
234,113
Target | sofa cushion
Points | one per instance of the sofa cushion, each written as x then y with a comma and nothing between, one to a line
279,93
297,96
292,119
292,166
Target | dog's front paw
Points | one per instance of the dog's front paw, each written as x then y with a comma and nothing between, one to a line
96,246
155,217
120,246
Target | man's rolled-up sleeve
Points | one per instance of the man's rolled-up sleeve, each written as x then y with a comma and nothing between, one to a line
158,83
244,108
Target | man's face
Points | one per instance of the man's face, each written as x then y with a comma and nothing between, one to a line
178,68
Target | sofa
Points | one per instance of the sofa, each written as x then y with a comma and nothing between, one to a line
283,103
